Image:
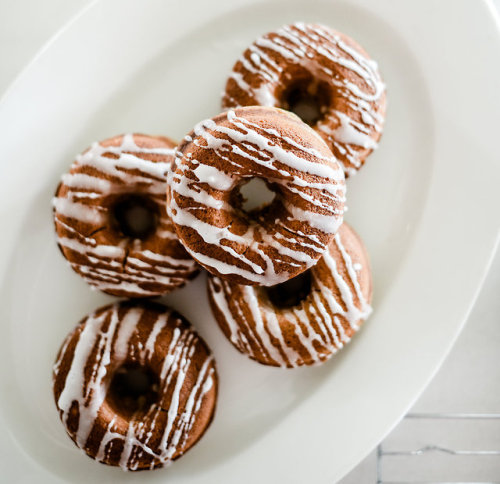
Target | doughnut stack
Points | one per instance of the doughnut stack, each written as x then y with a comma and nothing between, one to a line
289,282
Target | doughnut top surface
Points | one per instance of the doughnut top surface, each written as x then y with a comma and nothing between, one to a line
89,385
305,66
272,243
119,174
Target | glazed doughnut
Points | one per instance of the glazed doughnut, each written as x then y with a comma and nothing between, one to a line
94,209
272,243
305,320
323,75
134,385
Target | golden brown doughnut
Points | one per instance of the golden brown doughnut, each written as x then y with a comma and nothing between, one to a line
323,75
135,386
270,244
302,321
123,256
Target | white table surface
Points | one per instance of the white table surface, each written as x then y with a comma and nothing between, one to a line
469,380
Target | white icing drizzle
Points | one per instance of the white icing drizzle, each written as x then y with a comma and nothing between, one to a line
313,181
135,267
353,122
162,432
317,322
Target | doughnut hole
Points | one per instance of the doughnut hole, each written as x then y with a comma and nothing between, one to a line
134,216
290,293
252,195
133,389
307,97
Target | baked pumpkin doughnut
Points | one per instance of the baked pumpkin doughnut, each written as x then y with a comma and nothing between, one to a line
269,244
322,75
305,320
135,386
111,221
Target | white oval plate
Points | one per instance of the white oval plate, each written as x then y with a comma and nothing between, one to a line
426,204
